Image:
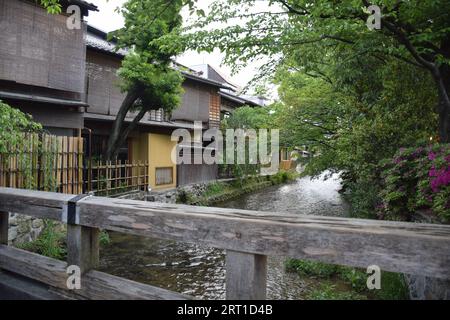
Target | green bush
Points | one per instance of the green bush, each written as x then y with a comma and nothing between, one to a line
184,197
104,238
393,285
215,188
50,243
13,123
363,197
282,177
311,268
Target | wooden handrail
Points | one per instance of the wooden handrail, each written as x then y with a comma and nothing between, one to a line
420,249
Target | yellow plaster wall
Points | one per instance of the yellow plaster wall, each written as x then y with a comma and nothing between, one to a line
159,155
156,149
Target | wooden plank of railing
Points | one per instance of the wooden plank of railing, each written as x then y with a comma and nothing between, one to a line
44,205
421,249
393,246
94,284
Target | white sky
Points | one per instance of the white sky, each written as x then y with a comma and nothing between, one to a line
108,20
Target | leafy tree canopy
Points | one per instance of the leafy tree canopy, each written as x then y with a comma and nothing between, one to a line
320,37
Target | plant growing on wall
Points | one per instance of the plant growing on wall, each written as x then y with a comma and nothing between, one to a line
13,124
14,145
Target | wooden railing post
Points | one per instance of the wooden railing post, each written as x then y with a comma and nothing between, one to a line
4,227
82,242
82,247
246,276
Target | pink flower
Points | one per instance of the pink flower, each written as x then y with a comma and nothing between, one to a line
432,156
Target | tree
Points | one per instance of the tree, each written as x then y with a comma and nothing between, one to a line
415,32
246,118
147,76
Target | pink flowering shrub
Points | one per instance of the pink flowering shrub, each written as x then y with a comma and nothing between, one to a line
417,179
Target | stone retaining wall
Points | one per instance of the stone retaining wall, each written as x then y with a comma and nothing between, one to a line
23,228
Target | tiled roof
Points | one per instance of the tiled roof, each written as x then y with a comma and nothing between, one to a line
98,42
84,4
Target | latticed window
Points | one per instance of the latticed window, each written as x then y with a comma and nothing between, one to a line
159,115
164,176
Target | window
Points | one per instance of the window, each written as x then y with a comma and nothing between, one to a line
164,176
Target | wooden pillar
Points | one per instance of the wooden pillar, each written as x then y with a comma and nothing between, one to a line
246,276
4,227
82,247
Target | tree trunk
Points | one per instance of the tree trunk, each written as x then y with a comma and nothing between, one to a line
123,135
444,125
129,101
444,110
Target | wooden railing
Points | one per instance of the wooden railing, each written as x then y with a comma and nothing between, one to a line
111,178
247,236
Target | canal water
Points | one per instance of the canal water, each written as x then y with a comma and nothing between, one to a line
200,271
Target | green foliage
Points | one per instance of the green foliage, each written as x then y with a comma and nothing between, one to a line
363,197
13,124
246,118
215,188
393,285
52,6
184,197
149,78
415,179
329,292
104,238
50,243
349,95
311,268
147,68
282,177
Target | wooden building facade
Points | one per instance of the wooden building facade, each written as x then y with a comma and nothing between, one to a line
67,80
42,64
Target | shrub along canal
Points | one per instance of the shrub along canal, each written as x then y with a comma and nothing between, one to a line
200,271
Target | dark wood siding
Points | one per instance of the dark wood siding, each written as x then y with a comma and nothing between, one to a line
196,173
38,49
103,91
51,116
104,95
195,103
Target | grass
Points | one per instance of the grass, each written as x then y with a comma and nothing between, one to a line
328,291
52,241
393,286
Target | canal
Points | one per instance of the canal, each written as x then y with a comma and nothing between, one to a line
200,271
